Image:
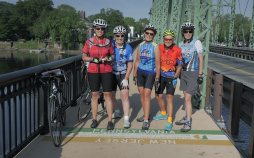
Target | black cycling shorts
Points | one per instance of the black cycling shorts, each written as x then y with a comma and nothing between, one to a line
117,79
166,83
95,79
145,80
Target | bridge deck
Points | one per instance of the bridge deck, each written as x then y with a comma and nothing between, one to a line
204,140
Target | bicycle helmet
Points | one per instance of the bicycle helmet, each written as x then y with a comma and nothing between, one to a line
151,27
187,26
119,29
169,32
99,23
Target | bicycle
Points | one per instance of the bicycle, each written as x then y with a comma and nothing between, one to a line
86,97
57,103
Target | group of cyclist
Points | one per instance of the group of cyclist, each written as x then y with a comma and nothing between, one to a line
111,62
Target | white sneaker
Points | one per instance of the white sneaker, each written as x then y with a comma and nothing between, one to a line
116,115
126,124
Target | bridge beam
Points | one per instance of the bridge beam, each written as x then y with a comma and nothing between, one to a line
251,40
232,23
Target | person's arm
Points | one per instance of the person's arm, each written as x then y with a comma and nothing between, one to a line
157,62
85,50
179,63
136,64
201,62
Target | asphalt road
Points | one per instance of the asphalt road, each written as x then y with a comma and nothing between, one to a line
237,69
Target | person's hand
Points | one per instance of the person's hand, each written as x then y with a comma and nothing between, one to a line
109,58
96,60
135,79
125,84
174,82
156,85
200,80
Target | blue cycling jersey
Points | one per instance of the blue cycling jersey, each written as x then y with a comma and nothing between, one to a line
190,55
122,56
147,58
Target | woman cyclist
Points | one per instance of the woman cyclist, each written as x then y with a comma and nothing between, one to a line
146,69
122,67
191,74
99,52
170,56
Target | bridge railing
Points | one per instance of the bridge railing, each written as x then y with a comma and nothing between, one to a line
23,112
238,98
234,52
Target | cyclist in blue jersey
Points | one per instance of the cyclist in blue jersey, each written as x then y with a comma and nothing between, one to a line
146,70
191,74
122,67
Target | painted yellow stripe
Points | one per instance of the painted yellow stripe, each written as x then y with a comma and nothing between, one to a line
231,67
143,141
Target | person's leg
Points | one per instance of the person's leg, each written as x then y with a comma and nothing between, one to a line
170,99
125,101
160,100
188,105
94,104
109,104
146,102
114,100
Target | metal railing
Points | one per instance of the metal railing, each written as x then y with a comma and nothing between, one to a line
234,52
23,112
238,98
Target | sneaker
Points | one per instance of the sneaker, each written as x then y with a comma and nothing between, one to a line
94,124
116,115
181,122
141,119
126,124
145,126
168,126
186,127
110,126
160,117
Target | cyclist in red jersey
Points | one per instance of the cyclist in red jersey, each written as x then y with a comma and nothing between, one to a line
170,56
99,52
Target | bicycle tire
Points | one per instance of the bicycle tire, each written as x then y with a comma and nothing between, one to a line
55,122
84,106
63,117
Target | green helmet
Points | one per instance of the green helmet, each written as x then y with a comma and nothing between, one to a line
169,32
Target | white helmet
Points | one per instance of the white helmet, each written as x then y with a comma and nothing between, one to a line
99,23
151,27
119,29
187,26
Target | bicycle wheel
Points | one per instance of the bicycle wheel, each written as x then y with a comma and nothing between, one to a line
55,122
84,106
63,117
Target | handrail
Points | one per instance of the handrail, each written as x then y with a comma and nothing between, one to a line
234,52
237,97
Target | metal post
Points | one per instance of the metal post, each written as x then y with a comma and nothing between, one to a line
45,101
232,23
235,108
251,143
208,89
251,41
218,92
217,28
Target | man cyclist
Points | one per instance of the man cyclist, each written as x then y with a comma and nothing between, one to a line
146,70
99,52
122,67
191,74
170,56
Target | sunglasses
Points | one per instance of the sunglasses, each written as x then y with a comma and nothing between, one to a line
119,35
151,34
99,28
187,31
170,40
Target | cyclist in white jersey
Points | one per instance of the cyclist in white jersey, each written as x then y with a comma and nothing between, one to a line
191,74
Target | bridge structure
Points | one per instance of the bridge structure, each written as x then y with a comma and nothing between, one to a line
23,112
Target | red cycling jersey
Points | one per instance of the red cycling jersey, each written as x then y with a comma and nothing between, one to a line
170,58
101,52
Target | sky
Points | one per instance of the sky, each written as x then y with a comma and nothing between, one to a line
134,8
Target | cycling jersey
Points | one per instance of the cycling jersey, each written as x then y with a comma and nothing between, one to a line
122,56
101,52
147,58
190,55
169,59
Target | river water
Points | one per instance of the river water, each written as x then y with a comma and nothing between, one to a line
11,61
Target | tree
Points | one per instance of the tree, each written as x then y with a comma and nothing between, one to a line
129,21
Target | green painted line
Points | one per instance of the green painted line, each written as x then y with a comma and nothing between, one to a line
139,131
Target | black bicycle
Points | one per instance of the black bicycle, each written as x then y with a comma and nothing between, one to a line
86,96
57,103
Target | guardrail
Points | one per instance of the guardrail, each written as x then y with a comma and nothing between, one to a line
234,52
238,98
23,103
